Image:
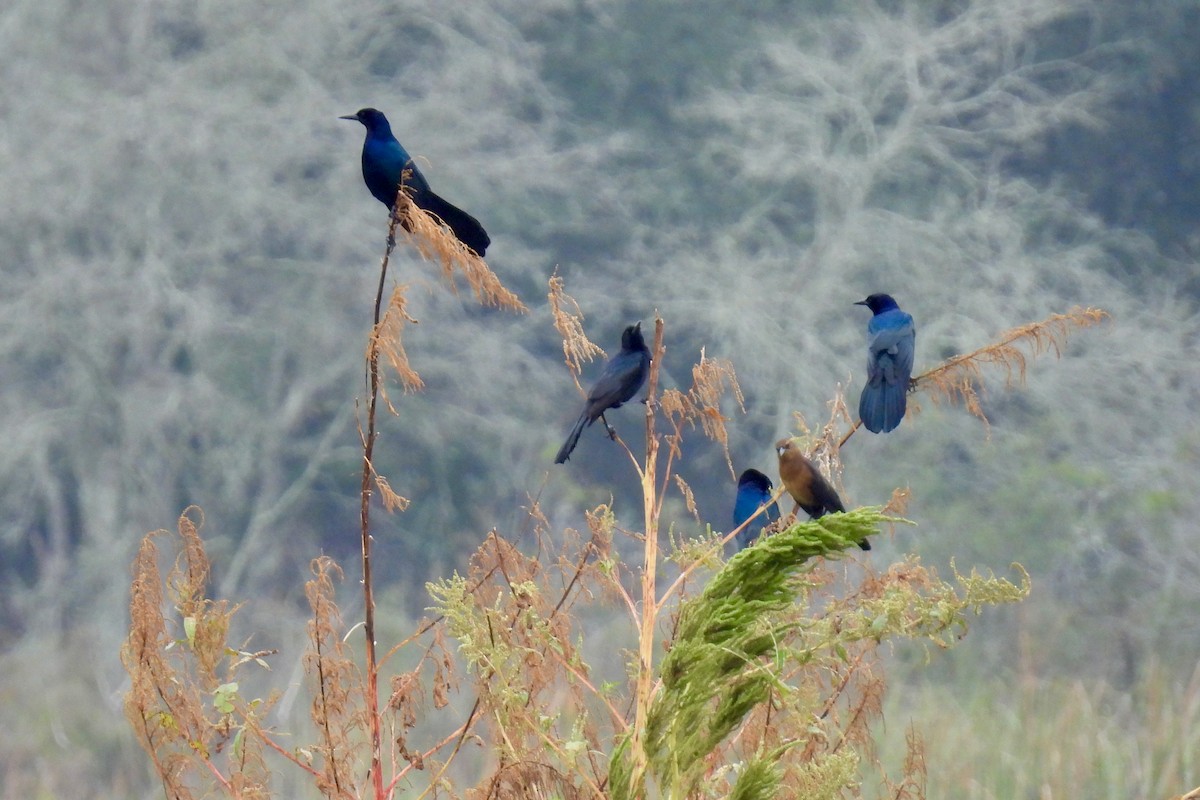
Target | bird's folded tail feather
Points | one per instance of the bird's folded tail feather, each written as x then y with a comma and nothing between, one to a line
881,406
564,452
466,228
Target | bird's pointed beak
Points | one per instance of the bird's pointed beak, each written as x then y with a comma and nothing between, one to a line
351,116
856,302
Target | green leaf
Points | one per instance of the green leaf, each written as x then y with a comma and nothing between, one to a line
223,697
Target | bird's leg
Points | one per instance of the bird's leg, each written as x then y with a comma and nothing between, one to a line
612,432
391,240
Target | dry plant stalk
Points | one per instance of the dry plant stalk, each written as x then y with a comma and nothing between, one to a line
183,701
513,616
643,692
824,448
386,339
775,619
391,501
435,242
568,321
338,685
959,380
712,378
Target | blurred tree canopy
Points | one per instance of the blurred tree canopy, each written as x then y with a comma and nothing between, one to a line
189,258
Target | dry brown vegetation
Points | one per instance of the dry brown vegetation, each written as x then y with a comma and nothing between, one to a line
749,677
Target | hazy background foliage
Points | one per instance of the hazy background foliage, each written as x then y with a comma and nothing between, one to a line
189,256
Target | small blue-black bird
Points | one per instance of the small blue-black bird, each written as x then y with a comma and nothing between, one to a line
623,375
891,337
807,485
385,163
753,492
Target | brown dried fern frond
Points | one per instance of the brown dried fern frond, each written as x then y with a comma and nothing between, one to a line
568,321
825,447
336,709
189,579
391,500
865,707
435,242
445,675
386,339
712,378
530,780
959,380
897,504
183,701
514,619
206,622
153,689
689,498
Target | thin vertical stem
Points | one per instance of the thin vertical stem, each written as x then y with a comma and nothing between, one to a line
649,569
372,698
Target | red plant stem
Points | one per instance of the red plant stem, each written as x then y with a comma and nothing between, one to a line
372,698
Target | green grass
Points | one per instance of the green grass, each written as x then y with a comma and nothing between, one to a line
1052,738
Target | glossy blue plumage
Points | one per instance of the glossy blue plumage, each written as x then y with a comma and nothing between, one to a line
623,375
753,491
385,163
891,339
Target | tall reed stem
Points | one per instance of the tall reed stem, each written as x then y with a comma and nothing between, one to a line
649,568
368,440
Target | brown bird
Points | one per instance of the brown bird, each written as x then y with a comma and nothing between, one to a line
806,485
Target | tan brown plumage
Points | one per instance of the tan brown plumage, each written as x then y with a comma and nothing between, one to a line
806,485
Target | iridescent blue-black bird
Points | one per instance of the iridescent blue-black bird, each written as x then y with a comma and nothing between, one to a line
753,492
807,485
891,337
385,163
623,375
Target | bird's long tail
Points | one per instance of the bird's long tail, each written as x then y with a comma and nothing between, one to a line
564,452
881,406
466,228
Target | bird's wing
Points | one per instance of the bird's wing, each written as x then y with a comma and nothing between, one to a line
891,347
623,375
824,494
384,163
904,353
887,334
749,498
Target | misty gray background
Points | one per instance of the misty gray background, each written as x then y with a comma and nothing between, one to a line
188,260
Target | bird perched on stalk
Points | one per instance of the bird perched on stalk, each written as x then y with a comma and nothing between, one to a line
806,485
623,375
891,337
753,492
385,164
